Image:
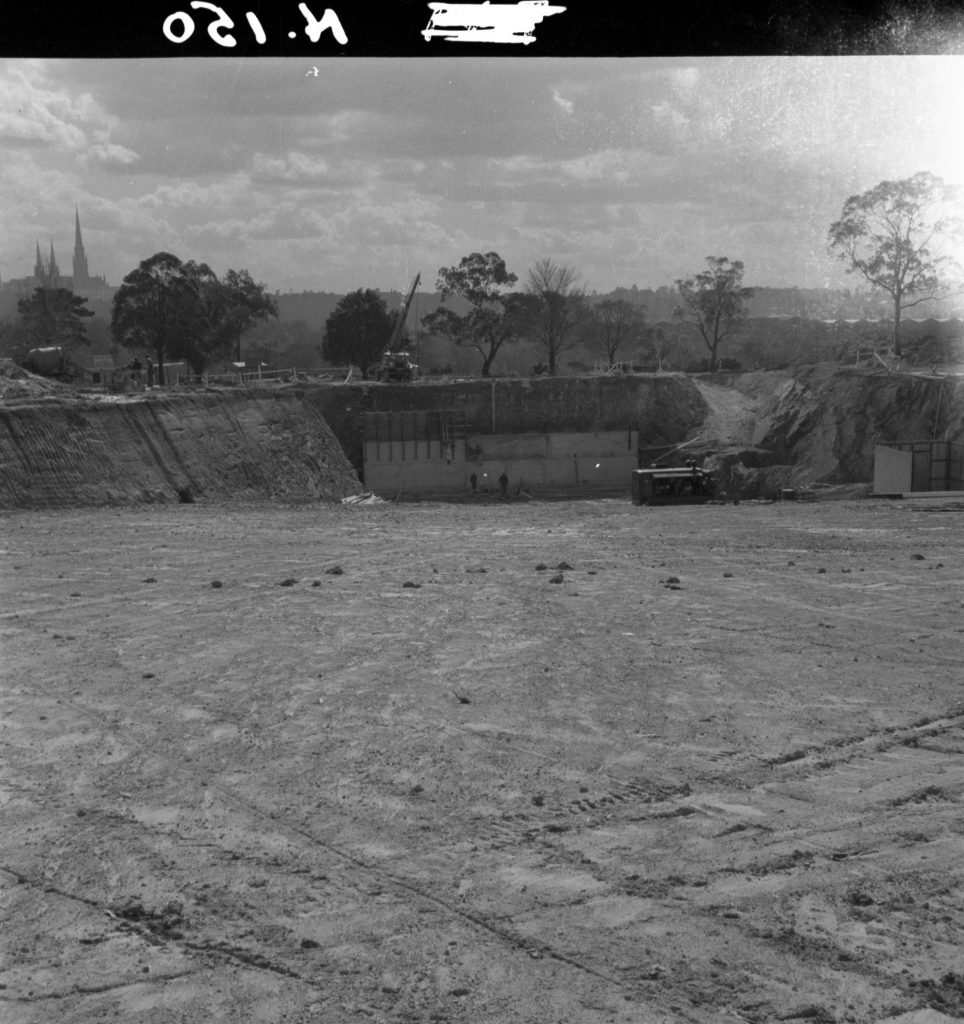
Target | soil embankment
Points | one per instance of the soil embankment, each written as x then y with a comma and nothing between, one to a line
59,452
760,431
819,425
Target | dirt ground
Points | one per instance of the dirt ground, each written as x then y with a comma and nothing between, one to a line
400,763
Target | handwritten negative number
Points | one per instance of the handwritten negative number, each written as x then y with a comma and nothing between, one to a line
179,26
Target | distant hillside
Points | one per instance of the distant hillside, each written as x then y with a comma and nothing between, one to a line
805,303
314,308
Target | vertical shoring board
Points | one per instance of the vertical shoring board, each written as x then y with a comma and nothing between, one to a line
955,462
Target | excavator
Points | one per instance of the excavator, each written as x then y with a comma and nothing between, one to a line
395,366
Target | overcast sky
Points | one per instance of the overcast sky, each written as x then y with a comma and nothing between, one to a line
630,170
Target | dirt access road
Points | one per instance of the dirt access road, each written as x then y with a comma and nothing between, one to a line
402,764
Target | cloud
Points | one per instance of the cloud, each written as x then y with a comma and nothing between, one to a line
290,167
378,167
222,194
567,105
672,121
34,114
109,154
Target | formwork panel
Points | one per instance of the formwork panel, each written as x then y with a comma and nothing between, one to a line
904,467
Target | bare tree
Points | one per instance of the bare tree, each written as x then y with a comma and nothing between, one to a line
715,301
615,324
552,307
657,344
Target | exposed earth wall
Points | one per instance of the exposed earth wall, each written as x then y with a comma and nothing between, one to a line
820,425
170,448
761,431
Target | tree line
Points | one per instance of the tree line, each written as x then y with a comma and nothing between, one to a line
178,310
165,307
894,236
552,310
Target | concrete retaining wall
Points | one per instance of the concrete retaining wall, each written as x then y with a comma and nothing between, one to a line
664,408
415,467
580,463
583,463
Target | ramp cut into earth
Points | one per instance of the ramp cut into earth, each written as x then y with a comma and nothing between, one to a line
819,425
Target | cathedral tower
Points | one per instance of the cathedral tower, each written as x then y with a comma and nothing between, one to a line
46,273
81,273
52,269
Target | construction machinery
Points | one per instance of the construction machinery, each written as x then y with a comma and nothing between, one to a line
674,485
47,362
396,366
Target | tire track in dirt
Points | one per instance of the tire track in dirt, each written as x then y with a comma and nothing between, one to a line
156,929
844,749
665,805
476,919
624,796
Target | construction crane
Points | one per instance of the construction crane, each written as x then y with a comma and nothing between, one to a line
395,365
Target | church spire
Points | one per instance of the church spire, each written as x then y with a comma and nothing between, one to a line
38,267
52,269
81,273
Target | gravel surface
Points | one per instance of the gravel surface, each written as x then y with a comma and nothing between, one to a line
715,774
